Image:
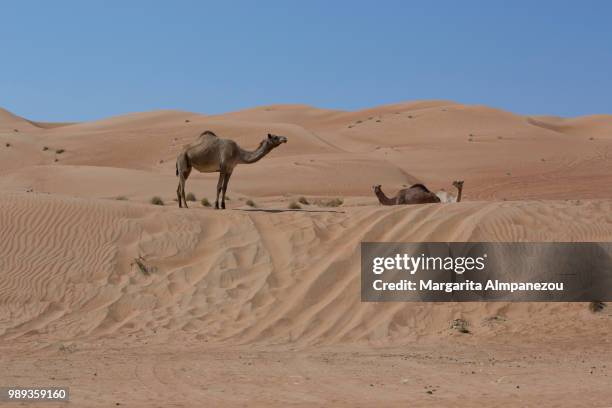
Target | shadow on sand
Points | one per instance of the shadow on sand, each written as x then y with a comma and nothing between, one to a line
278,210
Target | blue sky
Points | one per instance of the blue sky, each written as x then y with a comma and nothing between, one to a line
83,60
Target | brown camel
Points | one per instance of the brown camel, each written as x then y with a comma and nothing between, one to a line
415,194
210,154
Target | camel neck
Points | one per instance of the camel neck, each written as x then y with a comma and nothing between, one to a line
460,190
383,199
256,155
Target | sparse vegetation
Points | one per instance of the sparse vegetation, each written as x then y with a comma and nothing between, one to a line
303,200
334,202
251,203
460,325
45,148
190,197
205,202
157,201
597,306
378,120
60,151
359,121
121,198
294,206
8,145
143,267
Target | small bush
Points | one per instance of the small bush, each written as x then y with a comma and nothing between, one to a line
121,198
205,202
45,148
294,206
303,200
597,306
460,325
334,202
143,267
157,201
190,197
60,151
251,203
8,145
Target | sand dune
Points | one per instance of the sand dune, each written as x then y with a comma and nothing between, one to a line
282,287
242,276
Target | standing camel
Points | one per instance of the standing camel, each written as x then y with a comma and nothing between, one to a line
210,154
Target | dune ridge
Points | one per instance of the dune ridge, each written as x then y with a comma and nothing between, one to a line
244,276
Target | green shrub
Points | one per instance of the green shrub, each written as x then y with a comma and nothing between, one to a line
190,197
205,202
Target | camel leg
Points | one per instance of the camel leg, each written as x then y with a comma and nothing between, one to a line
219,186
178,194
183,179
225,183
182,182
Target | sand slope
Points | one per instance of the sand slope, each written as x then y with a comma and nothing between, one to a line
261,306
244,276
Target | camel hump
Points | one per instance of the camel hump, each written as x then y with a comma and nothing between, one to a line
420,186
208,133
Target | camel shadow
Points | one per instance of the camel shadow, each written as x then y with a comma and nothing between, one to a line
276,210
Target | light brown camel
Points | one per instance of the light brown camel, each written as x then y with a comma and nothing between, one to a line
415,194
210,154
451,198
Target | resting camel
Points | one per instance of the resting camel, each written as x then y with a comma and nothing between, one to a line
450,198
415,194
212,154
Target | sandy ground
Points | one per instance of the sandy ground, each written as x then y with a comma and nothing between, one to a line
260,306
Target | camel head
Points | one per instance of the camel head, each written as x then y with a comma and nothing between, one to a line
377,188
458,184
274,141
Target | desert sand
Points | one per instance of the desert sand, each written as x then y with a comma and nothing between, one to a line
260,306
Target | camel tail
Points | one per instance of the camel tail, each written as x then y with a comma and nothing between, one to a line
176,167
